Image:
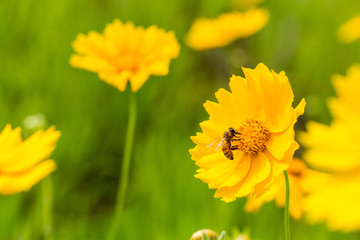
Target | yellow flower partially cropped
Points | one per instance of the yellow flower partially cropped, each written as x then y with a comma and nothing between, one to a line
249,137
350,30
25,163
125,53
334,148
223,30
346,105
298,174
334,199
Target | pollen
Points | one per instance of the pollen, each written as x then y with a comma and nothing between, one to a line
251,137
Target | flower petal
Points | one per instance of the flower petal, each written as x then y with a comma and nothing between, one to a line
14,183
36,148
138,79
244,96
213,129
259,170
231,109
240,170
279,143
331,148
9,139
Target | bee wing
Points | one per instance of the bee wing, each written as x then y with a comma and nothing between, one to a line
212,143
219,144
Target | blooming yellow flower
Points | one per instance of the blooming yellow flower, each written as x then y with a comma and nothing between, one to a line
350,30
298,174
258,113
223,30
125,53
24,163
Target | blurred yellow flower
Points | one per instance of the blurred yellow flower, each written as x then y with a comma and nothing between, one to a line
125,53
350,30
298,173
333,197
25,163
335,148
332,148
223,30
347,103
258,118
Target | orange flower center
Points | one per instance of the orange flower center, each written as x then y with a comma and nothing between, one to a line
251,137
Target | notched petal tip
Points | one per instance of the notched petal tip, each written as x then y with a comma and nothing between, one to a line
300,108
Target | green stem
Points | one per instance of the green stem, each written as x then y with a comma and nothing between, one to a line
123,181
47,200
286,213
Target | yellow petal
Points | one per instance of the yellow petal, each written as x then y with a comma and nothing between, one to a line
9,139
279,143
231,110
23,181
350,30
239,172
259,170
217,169
213,129
29,153
328,144
137,80
217,113
245,99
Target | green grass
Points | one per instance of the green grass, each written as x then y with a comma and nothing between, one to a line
164,201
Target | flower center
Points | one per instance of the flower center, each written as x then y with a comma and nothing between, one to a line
251,137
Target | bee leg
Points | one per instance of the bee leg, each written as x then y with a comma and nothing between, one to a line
234,148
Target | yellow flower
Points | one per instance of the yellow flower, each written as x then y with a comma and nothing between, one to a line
125,53
333,197
258,113
346,105
25,163
332,148
223,30
350,30
335,148
298,173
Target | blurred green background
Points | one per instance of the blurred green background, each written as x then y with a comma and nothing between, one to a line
164,201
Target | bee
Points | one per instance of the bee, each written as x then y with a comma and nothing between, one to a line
226,143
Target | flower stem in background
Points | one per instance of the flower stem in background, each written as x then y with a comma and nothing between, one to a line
120,198
47,205
286,213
